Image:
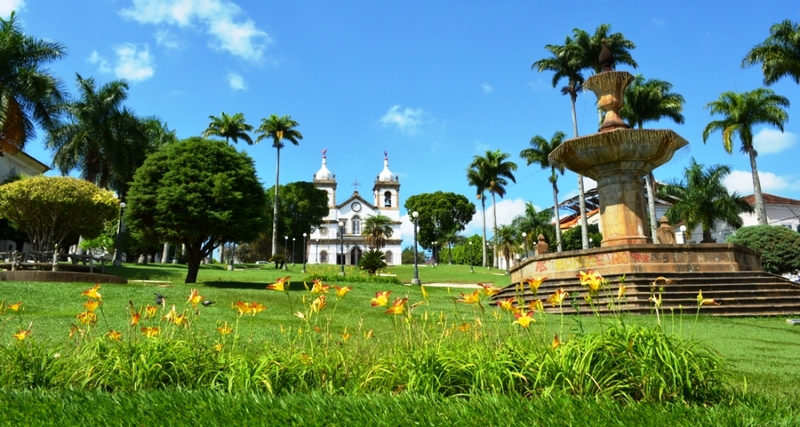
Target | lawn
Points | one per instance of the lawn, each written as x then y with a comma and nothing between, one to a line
352,339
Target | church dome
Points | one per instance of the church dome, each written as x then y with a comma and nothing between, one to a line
323,174
386,175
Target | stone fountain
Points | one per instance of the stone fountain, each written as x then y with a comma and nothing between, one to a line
618,158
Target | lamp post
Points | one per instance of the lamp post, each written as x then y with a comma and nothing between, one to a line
525,241
118,254
471,268
341,242
293,252
415,219
683,233
285,252
590,242
304,252
433,252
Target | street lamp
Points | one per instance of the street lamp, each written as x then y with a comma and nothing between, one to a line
433,252
415,219
118,254
488,249
525,241
285,252
293,252
683,233
304,252
341,242
471,268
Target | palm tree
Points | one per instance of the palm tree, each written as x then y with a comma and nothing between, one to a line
534,223
645,101
451,238
538,153
497,170
96,137
779,54
377,228
702,199
741,112
29,93
278,129
231,127
506,239
477,179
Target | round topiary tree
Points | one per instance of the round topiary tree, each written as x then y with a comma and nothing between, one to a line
779,246
49,209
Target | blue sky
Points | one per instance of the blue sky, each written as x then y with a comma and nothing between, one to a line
432,82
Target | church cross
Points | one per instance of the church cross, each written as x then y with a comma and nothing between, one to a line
355,185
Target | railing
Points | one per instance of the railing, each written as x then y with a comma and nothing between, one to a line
17,260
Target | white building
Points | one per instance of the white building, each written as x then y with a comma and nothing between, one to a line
331,241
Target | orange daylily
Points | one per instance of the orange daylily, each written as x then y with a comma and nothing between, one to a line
224,329
398,306
195,298
281,284
91,305
151,332
534,283
489,290
242,307
135,319
465,327
557,298
319,287
473,298
171,314
506,304
87,318
705,301
150,311
92,293
556,342
318,304
524,320
621,291
341,291
257,307
114,335
381,299
536,305
218,347
22,334
15,307
592,280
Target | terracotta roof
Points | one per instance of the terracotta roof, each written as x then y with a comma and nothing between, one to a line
770,199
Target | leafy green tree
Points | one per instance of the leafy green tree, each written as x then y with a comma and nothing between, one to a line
230,127
539,153
573,236
534,223
645,101
702,199
377,228
451,238
407,256
496,169
29,93
439,214
477,178
51,209
779,246
779,54
742,111
198,193
302,208
507,243
372,261
278,129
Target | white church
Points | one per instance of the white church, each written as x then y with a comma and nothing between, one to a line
340,233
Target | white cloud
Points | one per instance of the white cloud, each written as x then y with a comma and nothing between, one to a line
487,88
481,147
771,141
235,81
538,85
8,6
742,182
102,63
218,17
167,39
507,210
408,120
134,63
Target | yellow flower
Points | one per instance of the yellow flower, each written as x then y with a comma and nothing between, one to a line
195,298
135,319
171,314
556,342
473,298
507,304
536,305
398,306
151,332
87,318
150,311
341,291
534,283
114,335
218,347
320,288
591,280
557,298
318,304
621,291
281,284
524,320
381,299
257,307
225,329
424,292
465,327
22,334
345,335
242,307
705,301
180,319
489,290
92,293
91,305
15,307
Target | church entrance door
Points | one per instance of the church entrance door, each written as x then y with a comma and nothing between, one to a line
355,255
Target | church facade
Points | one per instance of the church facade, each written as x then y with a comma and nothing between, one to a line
339,237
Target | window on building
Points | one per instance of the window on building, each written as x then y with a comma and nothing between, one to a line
388,256
323,257
356,225
387,199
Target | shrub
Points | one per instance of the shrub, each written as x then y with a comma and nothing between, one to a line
372,261
779,246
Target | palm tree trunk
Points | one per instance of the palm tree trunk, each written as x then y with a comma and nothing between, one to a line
275,206
495,260
558,218
483,207
761,211
581,193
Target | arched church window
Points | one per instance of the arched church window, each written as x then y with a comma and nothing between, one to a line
323,257
356,225
388,256
387,199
